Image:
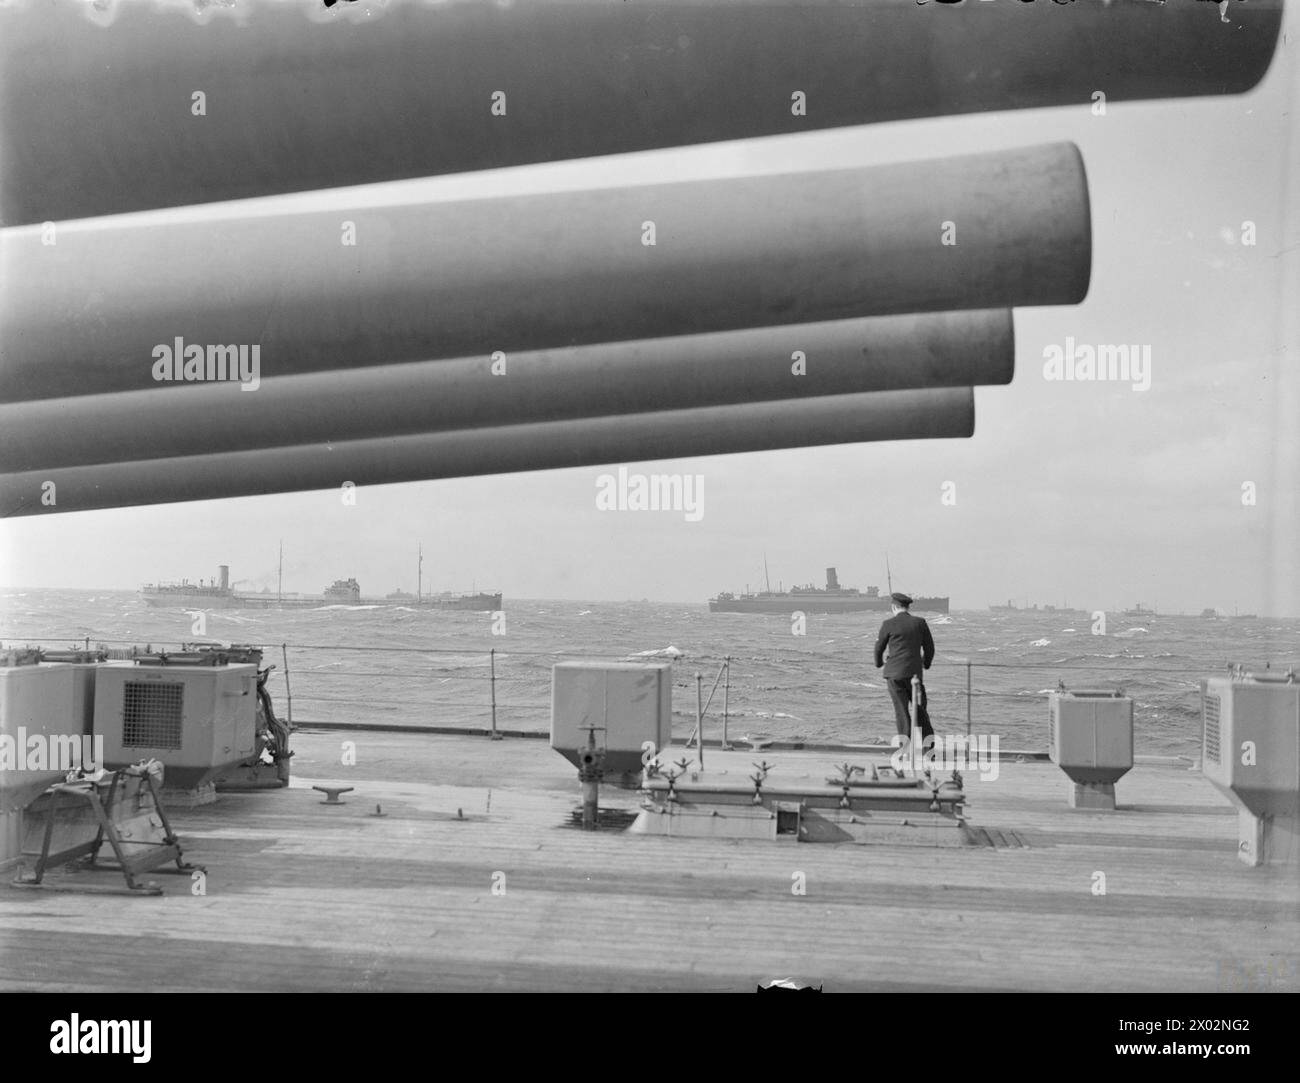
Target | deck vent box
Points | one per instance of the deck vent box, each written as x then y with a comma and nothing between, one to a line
199,721
1250,751
41,731
83,692
630,703
1092,742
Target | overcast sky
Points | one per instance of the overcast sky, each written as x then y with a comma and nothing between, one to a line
1091,493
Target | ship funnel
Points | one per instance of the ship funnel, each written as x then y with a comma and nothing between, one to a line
832,580
224,570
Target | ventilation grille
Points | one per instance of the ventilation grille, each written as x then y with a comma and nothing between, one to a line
1211,710
151,714
1053,728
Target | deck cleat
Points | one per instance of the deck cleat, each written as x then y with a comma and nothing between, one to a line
672,777
332,794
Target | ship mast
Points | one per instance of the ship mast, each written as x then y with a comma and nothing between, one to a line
279,582
889,579
419,572
767,583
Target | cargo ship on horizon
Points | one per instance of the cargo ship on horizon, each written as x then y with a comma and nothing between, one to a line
475,602
1046,610
219,594
833,598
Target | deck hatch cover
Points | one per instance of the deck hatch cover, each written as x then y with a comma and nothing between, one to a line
1212,706
151,714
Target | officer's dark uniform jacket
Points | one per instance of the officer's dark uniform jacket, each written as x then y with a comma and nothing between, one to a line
910,646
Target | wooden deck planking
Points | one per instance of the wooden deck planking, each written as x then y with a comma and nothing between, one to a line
303,896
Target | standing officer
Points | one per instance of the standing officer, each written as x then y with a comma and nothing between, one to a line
911,649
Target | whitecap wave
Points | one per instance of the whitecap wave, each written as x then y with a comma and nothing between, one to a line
662,652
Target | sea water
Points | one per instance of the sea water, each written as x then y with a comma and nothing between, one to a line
395,665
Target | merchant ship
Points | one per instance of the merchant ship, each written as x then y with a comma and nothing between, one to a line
476,601
833,598
219,594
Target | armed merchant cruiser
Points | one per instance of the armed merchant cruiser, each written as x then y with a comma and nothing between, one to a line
812,599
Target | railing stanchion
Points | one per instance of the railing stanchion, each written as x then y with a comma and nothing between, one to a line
967,697
492,681
699,713
726,695
288,692
913,712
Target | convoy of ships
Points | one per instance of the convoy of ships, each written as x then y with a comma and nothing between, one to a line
834,598
219,594
1138,612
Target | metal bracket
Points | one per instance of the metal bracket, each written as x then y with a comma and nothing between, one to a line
86,854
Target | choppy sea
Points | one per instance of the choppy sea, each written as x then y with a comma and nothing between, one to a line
399,666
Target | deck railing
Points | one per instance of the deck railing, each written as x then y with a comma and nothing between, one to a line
507,691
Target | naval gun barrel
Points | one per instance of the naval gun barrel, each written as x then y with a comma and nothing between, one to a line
132,106
715,430
879,353
121,306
